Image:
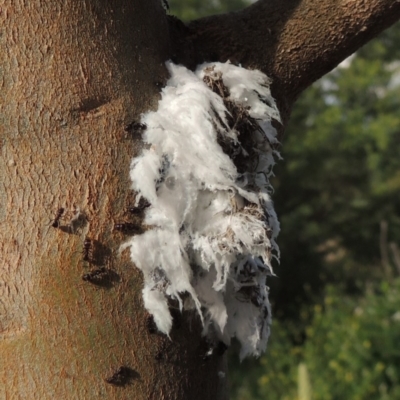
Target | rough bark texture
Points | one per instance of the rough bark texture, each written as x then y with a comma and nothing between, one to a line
72,74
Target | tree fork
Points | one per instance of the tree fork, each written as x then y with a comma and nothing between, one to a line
294,42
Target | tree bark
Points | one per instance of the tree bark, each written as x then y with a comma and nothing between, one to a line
73,74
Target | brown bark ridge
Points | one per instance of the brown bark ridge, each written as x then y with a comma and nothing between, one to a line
73,74
295,42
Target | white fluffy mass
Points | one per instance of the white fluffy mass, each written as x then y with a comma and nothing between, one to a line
212,229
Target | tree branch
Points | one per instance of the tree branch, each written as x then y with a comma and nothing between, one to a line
295,42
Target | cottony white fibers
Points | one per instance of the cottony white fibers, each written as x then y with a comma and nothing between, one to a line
213,229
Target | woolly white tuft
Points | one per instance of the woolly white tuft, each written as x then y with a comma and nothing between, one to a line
213,229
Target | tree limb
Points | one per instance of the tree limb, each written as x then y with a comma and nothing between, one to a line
295,42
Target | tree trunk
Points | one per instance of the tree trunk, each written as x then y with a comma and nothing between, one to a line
74,73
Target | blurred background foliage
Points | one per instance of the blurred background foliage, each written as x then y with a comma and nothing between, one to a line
336,300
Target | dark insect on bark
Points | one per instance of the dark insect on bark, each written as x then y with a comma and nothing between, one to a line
98,276
102,277
134,210
134,128
126,228
143,204
220,348
56,222
120,377
151,325
87,249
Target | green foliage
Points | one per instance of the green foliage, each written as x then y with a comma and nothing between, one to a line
352,348
193,9
351,352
